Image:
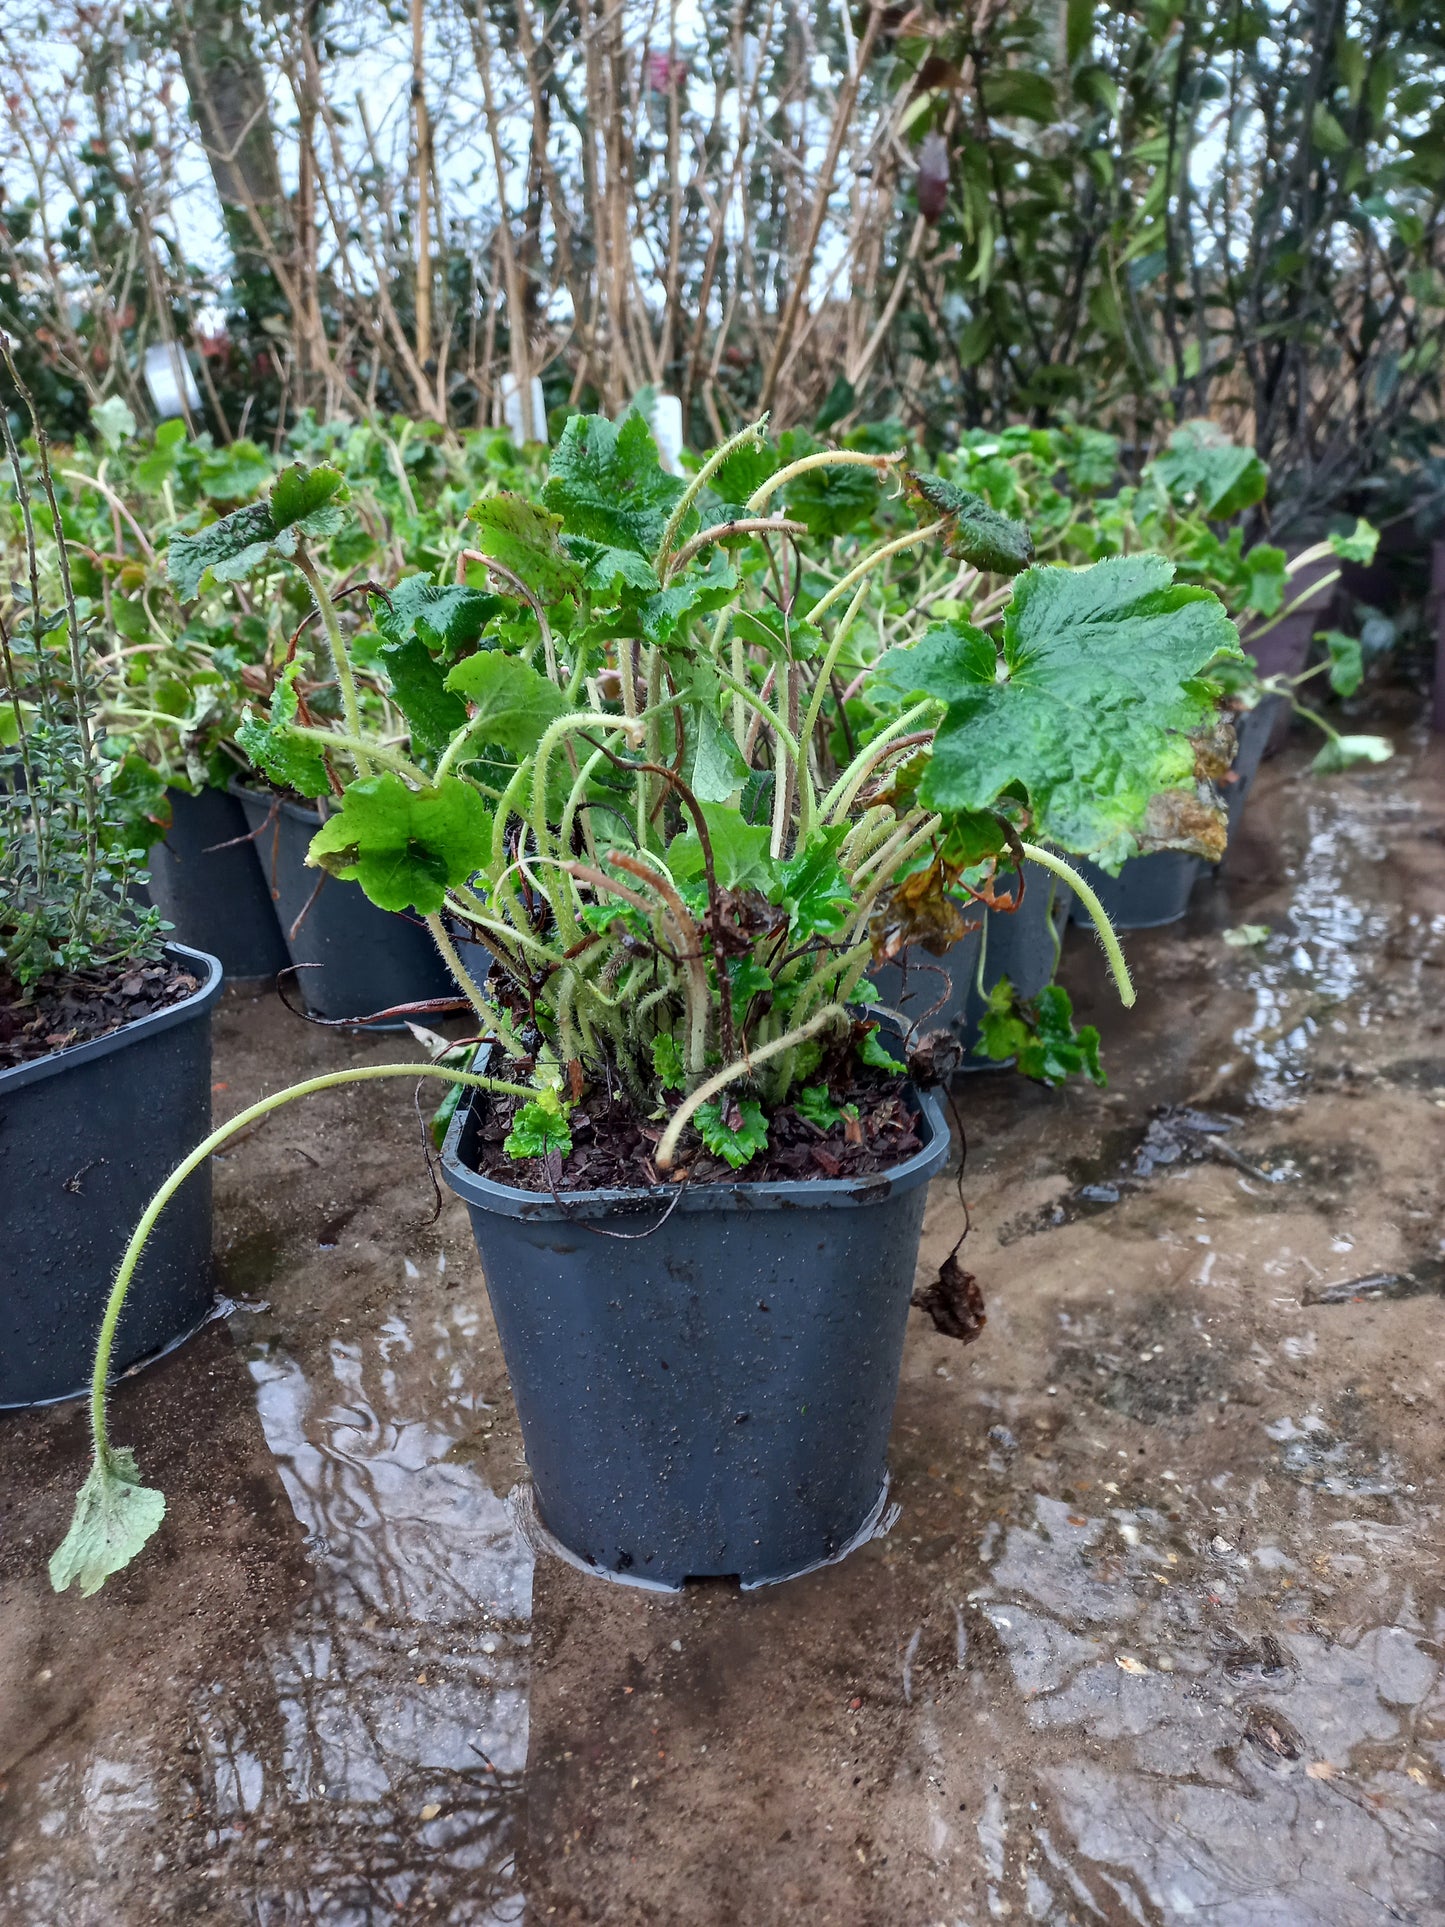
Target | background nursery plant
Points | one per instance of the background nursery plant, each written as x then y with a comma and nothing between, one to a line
615,777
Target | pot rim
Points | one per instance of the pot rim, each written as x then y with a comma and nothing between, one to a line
18,1075
245,793
506,1201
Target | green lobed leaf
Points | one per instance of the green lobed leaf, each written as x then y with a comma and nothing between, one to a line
1039,1032
539,1129
446,620
1203,469
302,502
733,1128
512,703
607,484
418,682
870,1051
230,548
739,851
814,1102
1086,708
972,531
114,1517
299,494
289,761
113,421
1357,544
817,895
404,847
1347,662
525,539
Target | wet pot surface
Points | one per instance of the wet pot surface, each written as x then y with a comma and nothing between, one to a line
711,1399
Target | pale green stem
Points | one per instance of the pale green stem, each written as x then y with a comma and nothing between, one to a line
253,1112
361,750
744,1067
890,856
839,800
1307,595
339,658
806,798
870,562
749,437
1056,866
826,458
754,701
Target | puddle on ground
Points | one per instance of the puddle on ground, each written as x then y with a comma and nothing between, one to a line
1156,1636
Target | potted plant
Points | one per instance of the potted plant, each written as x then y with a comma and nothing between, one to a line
695,1165
105,1042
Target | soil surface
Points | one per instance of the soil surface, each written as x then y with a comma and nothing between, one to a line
612,1146
1157,1634
60,1012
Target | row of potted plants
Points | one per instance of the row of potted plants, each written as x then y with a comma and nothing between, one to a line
609,739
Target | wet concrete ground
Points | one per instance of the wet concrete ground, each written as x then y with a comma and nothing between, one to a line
1156,1636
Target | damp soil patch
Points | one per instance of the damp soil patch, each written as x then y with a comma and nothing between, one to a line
613,1145
61,1011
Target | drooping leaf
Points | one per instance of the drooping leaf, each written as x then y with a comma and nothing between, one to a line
1039,1032
302,502
1343,752
114,1517
418,683
1265,566
972,531
446,620
733,1128
1357,544
526,539
608,485
512,703
871,1052
1202,468
291,762
1347,662
920,909
1087,708
404,847
715,764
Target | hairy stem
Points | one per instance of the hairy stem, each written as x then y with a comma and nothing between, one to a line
667,1149
263,1108
749,437
1056,866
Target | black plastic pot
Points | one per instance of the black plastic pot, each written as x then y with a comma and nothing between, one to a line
368,959
1021,945
1253,730
1148,891
208,884
715,1399
85,1138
